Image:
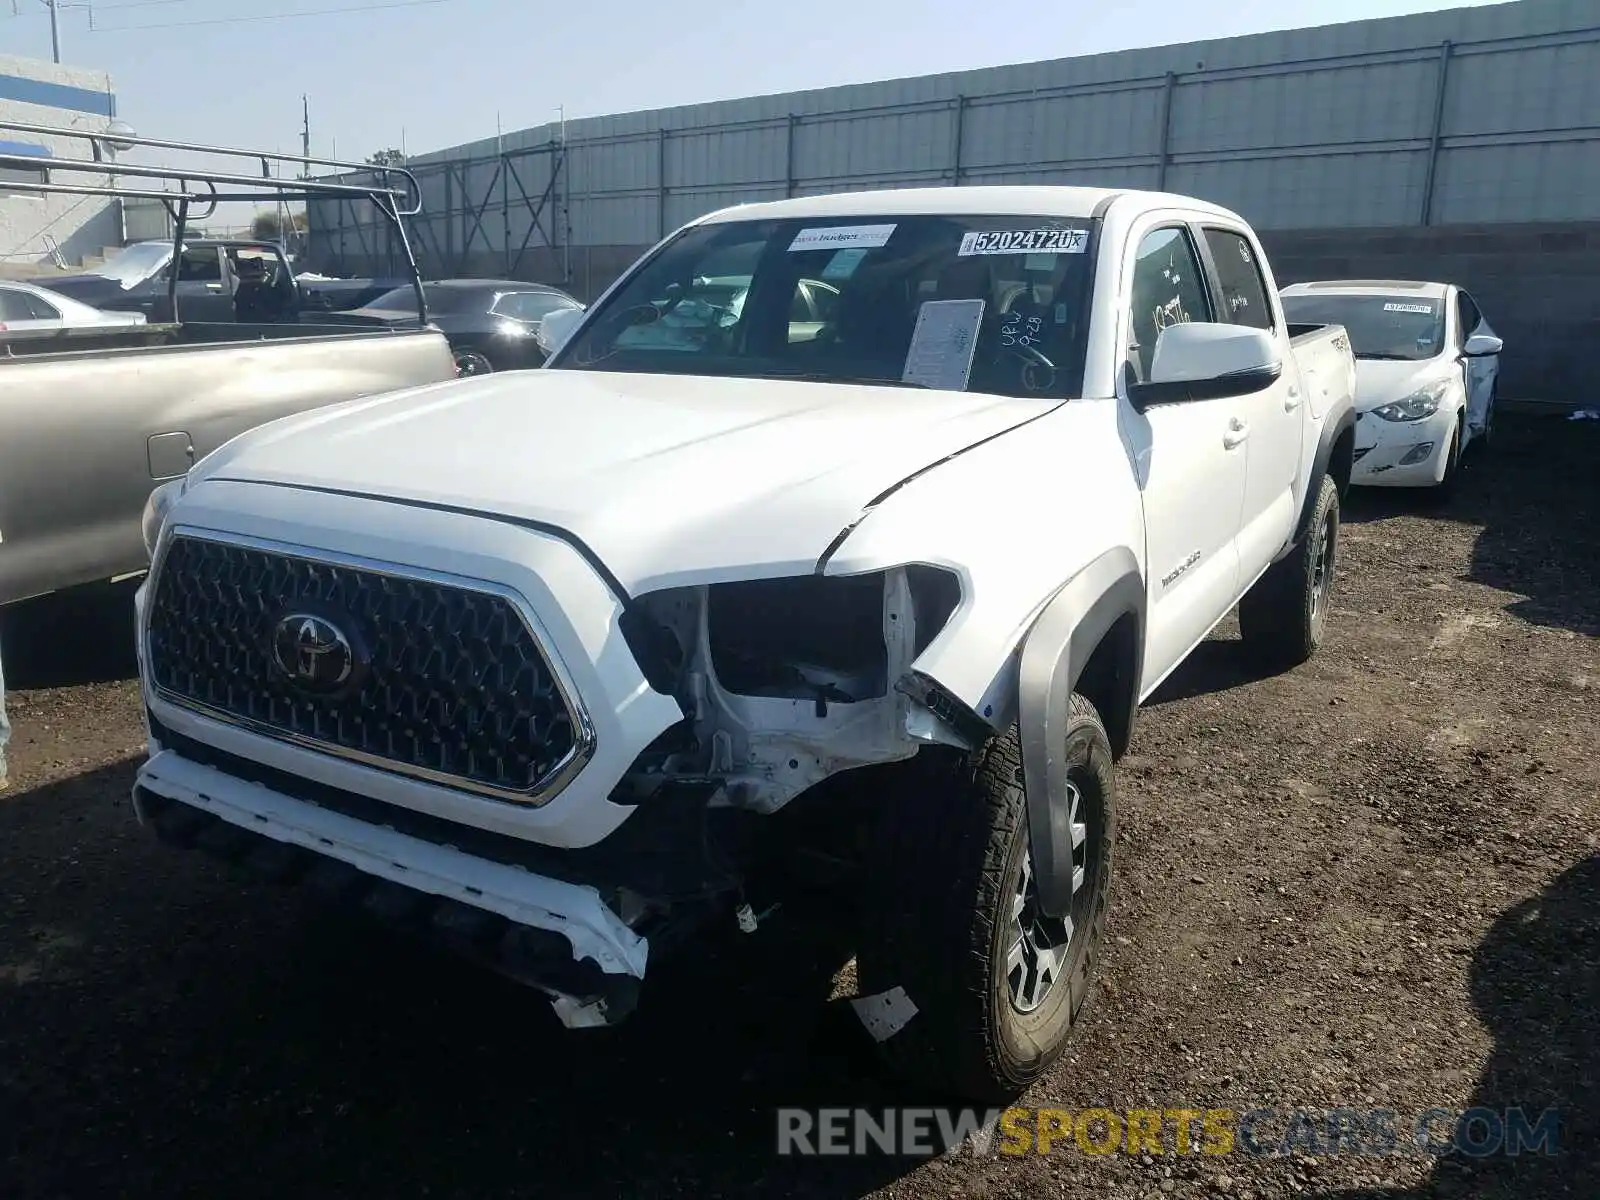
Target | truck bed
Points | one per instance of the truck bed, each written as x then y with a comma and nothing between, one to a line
57,343
94,420
1323,353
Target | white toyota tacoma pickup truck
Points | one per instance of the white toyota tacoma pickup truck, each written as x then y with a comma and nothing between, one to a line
863,520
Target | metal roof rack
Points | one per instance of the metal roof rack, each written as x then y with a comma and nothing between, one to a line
394,191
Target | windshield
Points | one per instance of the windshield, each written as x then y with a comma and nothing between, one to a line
1395,327
965,303
136,263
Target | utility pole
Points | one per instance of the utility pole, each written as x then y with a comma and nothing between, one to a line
305,135
55,28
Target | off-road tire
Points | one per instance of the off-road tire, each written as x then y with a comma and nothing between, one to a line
1283,618
947,859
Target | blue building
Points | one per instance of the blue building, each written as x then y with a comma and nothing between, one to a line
34,228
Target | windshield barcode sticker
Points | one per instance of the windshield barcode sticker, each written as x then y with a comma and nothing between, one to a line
1409,308
1025,241
842,237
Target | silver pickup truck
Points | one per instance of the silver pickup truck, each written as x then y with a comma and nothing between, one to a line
92,420
94,423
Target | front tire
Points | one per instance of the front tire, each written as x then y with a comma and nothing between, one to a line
953,935
1283,618
1447,487
472,362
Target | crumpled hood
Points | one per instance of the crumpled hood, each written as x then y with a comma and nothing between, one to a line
1381,381
667,479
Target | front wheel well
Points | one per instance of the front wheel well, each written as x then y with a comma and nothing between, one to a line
1110,681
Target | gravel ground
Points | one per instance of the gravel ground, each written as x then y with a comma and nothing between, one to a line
1371,882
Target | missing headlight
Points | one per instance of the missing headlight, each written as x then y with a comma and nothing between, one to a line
809,637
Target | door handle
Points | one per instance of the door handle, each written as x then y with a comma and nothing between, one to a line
1238,431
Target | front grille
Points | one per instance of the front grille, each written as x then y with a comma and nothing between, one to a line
445,682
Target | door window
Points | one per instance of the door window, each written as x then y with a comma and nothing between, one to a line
14,306
40,308
1468,314
1244,292
1168,289
199,266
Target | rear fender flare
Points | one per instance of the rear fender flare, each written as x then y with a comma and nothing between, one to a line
1053,656
1332,431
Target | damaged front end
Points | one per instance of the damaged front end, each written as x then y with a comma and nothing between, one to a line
787,682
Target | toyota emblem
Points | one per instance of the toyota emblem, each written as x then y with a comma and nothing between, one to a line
313,652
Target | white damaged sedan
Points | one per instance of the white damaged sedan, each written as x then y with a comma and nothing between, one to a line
1426,367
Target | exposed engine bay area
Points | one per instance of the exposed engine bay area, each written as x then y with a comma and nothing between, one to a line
785,682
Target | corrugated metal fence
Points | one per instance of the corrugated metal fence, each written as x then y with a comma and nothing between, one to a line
1467,116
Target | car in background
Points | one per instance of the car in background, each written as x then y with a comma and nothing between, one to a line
491,324
1427,363
25,306
711,304
220,280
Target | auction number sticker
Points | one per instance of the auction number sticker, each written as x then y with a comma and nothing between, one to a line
1024,241
1409,308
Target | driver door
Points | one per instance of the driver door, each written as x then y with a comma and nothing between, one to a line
1190,470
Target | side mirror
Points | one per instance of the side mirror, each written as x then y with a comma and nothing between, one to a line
556,327
1482,345
1201,360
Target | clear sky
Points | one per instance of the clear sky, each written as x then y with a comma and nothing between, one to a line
436,72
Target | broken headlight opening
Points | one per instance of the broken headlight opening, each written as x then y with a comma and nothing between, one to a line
810,637
1418,406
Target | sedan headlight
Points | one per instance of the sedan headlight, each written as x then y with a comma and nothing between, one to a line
156,509
1420,404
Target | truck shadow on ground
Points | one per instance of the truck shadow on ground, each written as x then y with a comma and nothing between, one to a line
1218,664
1536,500
1536,986
168,1027
83,635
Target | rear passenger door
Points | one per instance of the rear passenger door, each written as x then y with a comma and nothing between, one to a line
1273,417
1190,473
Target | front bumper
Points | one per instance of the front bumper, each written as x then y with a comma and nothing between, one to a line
1402,453
187,801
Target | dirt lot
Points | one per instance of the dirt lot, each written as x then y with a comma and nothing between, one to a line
1372,882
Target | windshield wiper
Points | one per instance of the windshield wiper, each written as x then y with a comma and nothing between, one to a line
830,377
1389,357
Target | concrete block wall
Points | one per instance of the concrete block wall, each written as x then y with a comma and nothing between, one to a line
41,93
